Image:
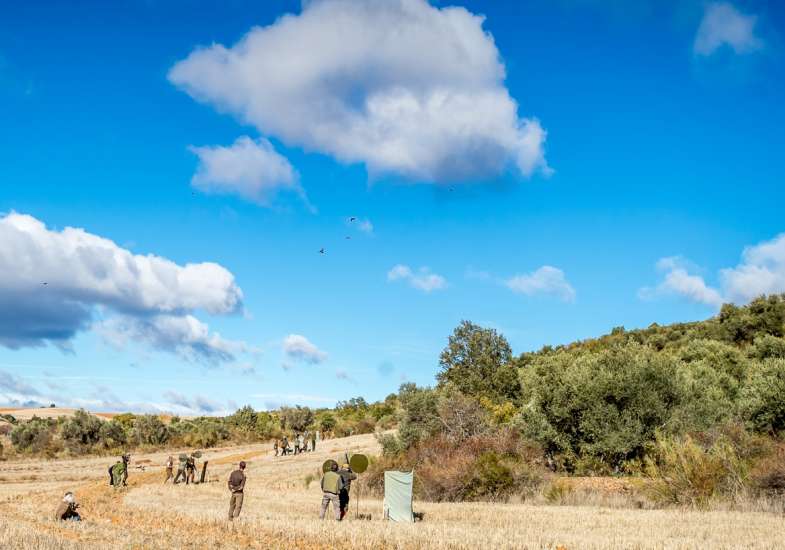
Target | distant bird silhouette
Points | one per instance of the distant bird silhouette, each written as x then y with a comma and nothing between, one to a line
321,251
44,284
348,237
352,219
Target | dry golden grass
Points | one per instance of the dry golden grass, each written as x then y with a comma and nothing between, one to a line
280,512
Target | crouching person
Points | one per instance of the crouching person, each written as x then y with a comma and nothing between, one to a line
66,510
332,483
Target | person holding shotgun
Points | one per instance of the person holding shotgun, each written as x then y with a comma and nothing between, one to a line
347,475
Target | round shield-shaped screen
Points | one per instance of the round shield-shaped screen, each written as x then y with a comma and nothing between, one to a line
359,463
328,465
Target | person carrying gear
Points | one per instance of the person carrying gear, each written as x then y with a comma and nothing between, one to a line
347,475
236,485
181,469
169,469
296,444
285,446
119,472
275,447
313,441
332,483
66,510
190,469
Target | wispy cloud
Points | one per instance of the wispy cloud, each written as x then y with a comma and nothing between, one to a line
422,279
298,347
546,280
722,25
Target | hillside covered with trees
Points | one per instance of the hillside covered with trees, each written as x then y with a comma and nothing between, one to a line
696,408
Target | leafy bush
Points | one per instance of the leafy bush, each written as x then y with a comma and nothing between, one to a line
296,418
687,470
605,405
483,467
33,436
763,397
81,431
148,429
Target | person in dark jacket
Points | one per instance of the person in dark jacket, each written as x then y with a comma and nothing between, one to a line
66,510
236,485
347,475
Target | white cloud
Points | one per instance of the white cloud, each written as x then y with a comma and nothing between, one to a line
761,271
677,280
365,226
545,280
400,85
54,283
423,279
184,335
341,374
723,24
248,168
300,348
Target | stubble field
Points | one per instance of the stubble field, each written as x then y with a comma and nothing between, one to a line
281,512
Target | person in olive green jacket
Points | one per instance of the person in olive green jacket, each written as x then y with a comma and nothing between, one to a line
332,483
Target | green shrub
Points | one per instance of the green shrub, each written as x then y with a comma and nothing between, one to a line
33,436
763,397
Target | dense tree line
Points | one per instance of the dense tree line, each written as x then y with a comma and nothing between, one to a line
617,404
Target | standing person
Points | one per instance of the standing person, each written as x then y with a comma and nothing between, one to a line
275,447
313,441
66,510
169,469
303,447
332,483
296,444
190,469
181,469
347,475
236,485
285,445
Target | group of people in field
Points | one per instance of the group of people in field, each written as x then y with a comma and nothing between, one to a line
300,443
335,483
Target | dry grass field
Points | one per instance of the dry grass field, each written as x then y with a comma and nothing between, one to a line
281,512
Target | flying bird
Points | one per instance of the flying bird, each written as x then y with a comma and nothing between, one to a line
321,251
44,284
352,219
348,237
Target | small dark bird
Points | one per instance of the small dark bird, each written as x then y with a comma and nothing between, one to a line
321,251
352,219
348,237
44,284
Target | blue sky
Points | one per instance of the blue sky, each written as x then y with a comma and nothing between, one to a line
552,170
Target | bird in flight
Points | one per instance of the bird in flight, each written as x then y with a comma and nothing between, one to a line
321,251
353,218
348,238
44,283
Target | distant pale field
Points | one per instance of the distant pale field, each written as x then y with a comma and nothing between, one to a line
46,412
280,512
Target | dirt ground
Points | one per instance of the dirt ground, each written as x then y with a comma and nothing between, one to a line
281,511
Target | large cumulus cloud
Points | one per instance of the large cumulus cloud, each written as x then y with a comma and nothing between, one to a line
399,85
54,284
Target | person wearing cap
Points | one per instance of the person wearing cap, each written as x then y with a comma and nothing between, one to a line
66,510
347,475
332,483
236,487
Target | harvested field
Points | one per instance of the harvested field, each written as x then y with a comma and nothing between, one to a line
281,512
